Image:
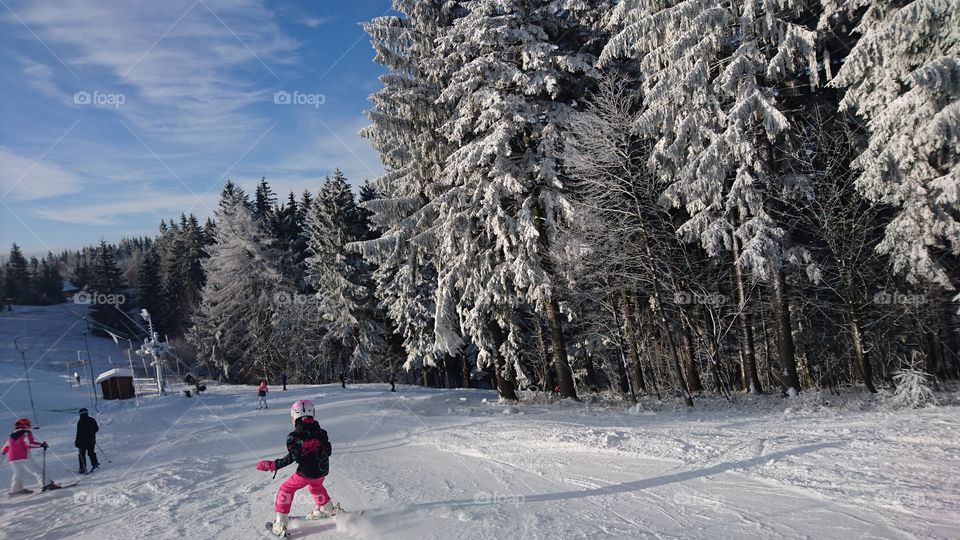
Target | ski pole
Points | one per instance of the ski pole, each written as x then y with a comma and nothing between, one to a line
44,475
102,453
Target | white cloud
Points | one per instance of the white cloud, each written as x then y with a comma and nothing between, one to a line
158,205
40,77
334,144
189,69
315,22
23,178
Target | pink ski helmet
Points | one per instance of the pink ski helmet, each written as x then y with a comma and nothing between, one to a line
301,408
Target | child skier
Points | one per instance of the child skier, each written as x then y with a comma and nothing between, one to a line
308,445
262,394
17,450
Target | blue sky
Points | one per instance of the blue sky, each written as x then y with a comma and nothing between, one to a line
115,115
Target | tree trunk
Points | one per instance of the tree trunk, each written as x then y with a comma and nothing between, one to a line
631,338
443,375
564,377
863,363
751,382
665,325
591,372
693,376
783,329
465,367
672,348
641,324
766,351
713,350
505,387
546,380
935,362
951,331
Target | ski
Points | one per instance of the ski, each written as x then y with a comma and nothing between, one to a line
52,486
21,492
303,520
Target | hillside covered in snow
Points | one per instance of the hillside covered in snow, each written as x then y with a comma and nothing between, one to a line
426,463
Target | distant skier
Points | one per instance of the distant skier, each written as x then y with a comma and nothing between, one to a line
86,441
283,380
77,377
262,395
17,450
343,380
393,383
309,446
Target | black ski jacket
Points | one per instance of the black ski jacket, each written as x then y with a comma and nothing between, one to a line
309,446
87,429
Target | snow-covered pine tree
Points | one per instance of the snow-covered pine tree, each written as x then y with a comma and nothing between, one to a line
48,283
287,231
232,324
186,276
352,335
151,290
903,78
17,284
405,130
712,76
264,201
518,69
106,288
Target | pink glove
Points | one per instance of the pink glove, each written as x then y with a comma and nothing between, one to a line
267,465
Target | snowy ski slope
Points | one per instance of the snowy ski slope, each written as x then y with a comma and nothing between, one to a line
455,464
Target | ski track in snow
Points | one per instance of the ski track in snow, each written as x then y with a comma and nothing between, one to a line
427,464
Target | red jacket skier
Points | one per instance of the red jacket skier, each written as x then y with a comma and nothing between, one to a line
262,395
17,450
309,446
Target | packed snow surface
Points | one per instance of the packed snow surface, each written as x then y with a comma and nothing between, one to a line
442,464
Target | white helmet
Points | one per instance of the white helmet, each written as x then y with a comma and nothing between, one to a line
301,408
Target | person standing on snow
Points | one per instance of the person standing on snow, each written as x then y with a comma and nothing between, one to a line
17,450
86,441
309,446
283,380
262,395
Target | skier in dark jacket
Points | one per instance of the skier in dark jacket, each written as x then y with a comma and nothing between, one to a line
86,441
308,446
283,380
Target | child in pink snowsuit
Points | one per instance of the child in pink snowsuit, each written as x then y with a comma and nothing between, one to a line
17,450
309,446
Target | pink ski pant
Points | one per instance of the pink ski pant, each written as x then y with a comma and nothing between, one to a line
297,482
